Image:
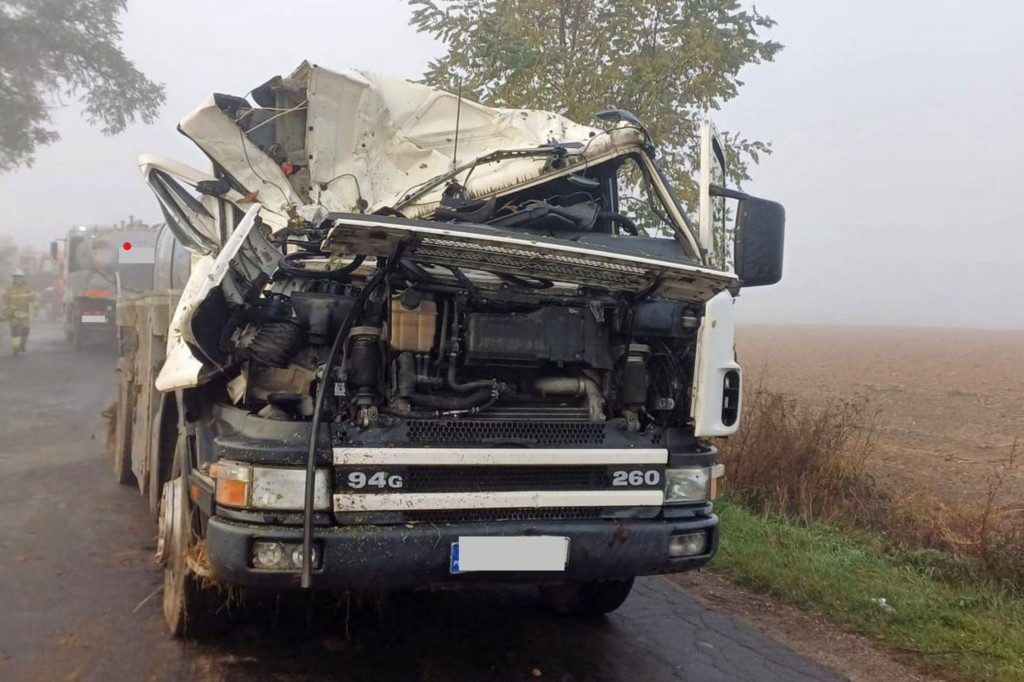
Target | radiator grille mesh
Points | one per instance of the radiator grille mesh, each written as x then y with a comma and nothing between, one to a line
487,515
570,268
462,432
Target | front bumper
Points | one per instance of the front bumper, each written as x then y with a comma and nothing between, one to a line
390,557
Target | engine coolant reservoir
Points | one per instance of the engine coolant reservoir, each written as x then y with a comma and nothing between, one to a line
413,322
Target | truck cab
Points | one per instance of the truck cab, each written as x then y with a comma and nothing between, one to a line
400,362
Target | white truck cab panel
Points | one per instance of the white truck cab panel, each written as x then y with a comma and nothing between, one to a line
717,376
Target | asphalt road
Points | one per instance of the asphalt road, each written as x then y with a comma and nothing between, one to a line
79,590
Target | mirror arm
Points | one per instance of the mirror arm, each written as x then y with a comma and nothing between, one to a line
717,191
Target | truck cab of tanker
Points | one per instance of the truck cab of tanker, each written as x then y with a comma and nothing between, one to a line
401,361
101,264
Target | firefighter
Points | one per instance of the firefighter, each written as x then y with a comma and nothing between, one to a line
19,307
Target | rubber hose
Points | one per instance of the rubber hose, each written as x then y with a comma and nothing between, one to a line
445,402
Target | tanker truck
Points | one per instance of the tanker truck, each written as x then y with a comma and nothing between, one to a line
99,265
427,343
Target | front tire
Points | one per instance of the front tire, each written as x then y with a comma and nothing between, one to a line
592,598
191,607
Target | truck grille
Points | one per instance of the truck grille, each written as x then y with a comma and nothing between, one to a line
486,515
467,479
464,432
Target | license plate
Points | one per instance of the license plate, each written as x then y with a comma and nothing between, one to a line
93,319
532,553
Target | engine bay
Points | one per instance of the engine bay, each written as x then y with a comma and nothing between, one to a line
421,340
420,347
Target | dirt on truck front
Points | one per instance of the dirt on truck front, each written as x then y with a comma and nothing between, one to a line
428,342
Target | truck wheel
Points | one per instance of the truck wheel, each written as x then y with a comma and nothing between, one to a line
586,598
122,445
192,608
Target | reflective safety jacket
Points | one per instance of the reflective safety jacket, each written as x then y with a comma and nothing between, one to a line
19,302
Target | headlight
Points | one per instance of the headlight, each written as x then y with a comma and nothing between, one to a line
244,486
687,485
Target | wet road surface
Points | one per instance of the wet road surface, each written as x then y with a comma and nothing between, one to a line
79,590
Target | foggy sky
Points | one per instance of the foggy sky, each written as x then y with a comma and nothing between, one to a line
896,128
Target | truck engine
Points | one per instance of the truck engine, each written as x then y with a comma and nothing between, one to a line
430,343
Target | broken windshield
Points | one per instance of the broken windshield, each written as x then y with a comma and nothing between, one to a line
619,196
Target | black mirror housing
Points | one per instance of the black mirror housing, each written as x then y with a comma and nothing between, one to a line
760,237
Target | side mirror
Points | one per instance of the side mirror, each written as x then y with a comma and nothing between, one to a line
54,251
760,236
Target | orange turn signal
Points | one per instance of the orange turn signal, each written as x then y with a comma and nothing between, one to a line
233,483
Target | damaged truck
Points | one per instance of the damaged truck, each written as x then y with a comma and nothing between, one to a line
425,342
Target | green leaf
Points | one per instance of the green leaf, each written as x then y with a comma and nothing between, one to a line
670,62
50,50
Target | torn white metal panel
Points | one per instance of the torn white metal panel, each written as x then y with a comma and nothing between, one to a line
377,138
715,358
374,140
183,369
224,142
533,256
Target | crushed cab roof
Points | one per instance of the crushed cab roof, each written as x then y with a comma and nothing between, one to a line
372,141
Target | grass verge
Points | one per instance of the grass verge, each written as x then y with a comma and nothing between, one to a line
810,463
973,630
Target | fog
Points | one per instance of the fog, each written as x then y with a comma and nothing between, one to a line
897,146
895,126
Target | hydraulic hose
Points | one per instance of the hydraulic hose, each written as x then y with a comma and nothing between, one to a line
628,226
453,380
340,274
445,403
482,391
318,408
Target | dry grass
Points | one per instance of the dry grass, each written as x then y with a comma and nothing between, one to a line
809,463
799,462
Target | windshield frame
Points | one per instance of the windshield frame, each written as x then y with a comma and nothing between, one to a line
682,229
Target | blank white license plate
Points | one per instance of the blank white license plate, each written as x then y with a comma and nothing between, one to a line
533,553
93,319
